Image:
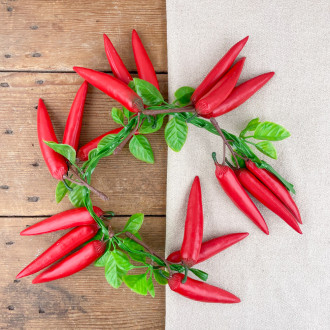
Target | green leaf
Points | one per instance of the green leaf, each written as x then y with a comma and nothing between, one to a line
199,273
271,132
154,125
106,141
159,278
134,223
241,162
61,191
117,116
101,262
148,92
113,273
77,196
64,149
129,250
176,132
150,287
122,260
267,148
251,126
141,149
131,85
137,283
183,95
135,246
127,113
92,154
177,268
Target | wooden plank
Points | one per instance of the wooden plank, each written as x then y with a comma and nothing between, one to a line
83,301
26,187
48,35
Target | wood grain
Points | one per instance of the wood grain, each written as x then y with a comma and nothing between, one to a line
55,36
82,301
40,42
27,188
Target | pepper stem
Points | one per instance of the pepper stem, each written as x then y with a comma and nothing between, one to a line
219,130
66,185
82,182
214,156
157,112
186,269
122,144
135,239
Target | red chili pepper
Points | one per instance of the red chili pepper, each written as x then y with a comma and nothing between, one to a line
55,162
276,186
83,152
240,94
60,248
220,91
266,197
73,263
113,87
144,66
212,247
64,220
238,195
74,121
218,71
117,66
193,231
200,291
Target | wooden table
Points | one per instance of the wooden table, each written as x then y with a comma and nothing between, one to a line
40,42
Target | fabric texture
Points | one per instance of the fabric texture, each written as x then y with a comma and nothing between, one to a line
282,279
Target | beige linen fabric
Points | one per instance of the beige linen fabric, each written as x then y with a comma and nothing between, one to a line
282,279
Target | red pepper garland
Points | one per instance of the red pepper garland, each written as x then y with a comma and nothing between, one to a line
215,96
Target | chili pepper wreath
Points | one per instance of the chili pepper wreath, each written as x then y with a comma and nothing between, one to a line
143,112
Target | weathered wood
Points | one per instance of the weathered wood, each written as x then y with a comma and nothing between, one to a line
83,301
27,188
55,36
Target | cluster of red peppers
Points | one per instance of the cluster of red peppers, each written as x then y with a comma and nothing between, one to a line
262,185
215,96
85,229
193,251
